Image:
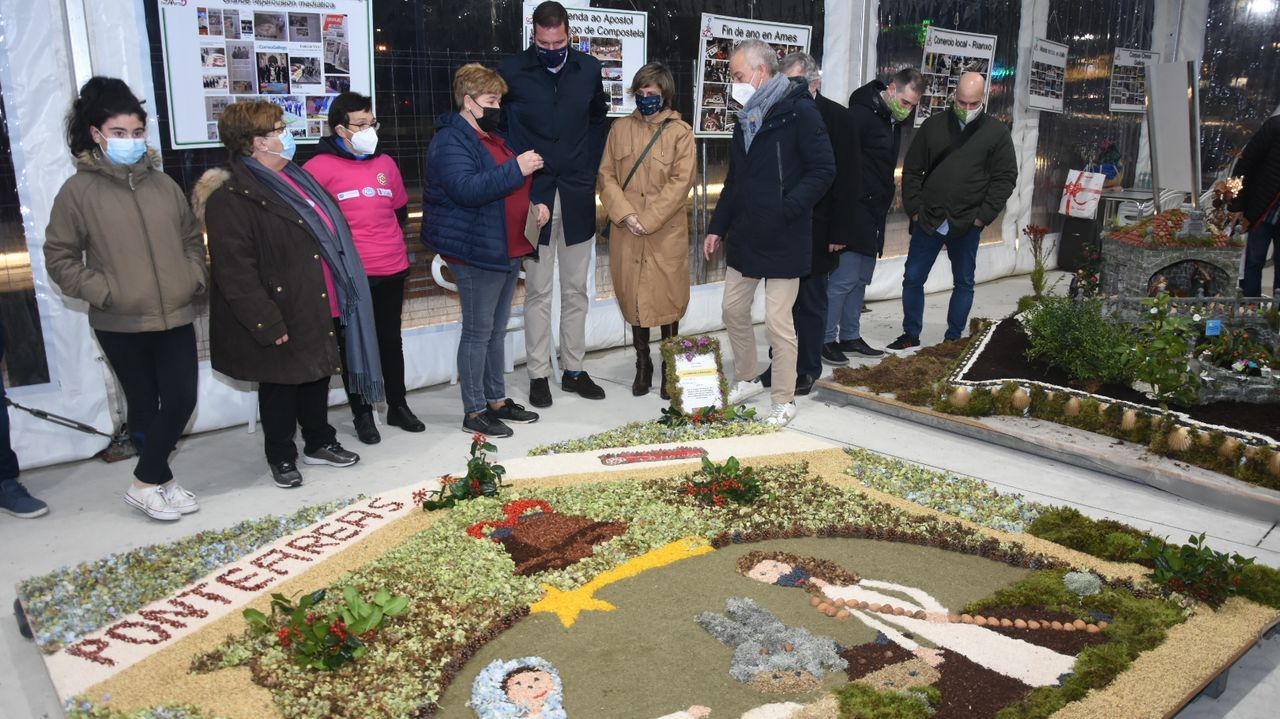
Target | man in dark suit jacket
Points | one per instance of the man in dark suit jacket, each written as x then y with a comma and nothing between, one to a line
832,219
556,105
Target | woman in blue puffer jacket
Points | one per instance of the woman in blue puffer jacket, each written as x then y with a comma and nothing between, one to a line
477,216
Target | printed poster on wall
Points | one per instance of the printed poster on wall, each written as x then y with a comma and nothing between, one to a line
217,52
717,112
947,55
1048,75
1129,79
617,38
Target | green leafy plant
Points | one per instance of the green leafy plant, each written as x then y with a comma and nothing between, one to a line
331,640
1076,337
673,417
483,479
1035,236
1162,350
1196,570
723,483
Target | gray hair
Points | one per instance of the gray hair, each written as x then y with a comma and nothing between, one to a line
805,62
758,52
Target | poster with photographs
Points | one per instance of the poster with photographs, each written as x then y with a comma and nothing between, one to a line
1129,79
217,52
716,110
617,38
948,54
1048,75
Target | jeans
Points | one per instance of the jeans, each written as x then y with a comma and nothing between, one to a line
1261,237
846,292
486,305
387,294
157,371
284,407
963,253
809,314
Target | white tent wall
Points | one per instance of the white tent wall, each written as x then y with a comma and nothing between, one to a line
39,83
38,79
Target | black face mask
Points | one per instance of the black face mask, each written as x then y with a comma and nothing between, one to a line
489,117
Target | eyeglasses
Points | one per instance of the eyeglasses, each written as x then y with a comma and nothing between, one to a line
358,126
276,132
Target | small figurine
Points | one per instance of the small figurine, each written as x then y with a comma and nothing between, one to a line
1159,285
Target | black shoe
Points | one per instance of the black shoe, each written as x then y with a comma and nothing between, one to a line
485,423
866,309
401,416
804,383
540,392
286,475
512,412
860,347
331,454
832,355
904,342
582,385
366,429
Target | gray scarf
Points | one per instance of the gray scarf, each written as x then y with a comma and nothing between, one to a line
751,117
364,367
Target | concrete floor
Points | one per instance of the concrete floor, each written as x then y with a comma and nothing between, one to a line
226,471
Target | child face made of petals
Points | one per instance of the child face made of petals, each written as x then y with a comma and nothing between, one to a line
529,689
769,571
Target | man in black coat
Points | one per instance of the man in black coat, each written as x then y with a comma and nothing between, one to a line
1259,203
556,105
876,113
780,165
957,176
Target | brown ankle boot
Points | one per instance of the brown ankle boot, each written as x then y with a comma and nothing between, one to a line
668,331
644,365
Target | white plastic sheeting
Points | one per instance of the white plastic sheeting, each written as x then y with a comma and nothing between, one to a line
39,84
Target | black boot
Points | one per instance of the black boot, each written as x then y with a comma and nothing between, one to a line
644,365
366,428
668,331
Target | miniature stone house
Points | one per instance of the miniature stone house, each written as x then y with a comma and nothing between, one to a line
1132,271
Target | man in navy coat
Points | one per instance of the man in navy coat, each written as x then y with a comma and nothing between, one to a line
556,105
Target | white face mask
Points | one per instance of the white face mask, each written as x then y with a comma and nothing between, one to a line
365,141
742,91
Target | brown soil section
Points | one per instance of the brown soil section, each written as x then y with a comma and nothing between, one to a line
910,378
1005,357
555,541
1071,643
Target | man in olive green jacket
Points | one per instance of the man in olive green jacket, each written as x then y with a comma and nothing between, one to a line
958,173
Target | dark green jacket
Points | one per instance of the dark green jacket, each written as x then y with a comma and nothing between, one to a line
972,183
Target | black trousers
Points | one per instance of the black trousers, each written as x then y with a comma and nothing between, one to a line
387,294
810,316
157,371
285,407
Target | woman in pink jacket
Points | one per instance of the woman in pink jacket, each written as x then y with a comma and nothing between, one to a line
372,197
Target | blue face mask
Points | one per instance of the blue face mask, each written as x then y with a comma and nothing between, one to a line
649,104
551,59
126,150
287,145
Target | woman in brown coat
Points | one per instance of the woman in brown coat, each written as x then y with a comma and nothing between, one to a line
284,268
649,240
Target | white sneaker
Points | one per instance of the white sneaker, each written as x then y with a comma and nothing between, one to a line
151,501
179,498
744,390
781,414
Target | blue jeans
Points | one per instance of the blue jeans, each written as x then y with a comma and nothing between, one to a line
963,253
846,292
1261,237
486,306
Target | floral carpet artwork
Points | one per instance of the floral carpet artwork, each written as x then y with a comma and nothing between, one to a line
808,592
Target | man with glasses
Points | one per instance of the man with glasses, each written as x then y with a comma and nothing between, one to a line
958,173
556,106
371,195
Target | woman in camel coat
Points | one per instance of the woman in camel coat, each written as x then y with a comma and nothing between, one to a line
649,238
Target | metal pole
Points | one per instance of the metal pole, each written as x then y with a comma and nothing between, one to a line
704,221
1193,118
1151,144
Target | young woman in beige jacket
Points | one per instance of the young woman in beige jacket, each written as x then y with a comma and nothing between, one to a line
649,239
122,237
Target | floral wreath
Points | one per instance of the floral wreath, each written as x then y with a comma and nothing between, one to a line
491,702
689,347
